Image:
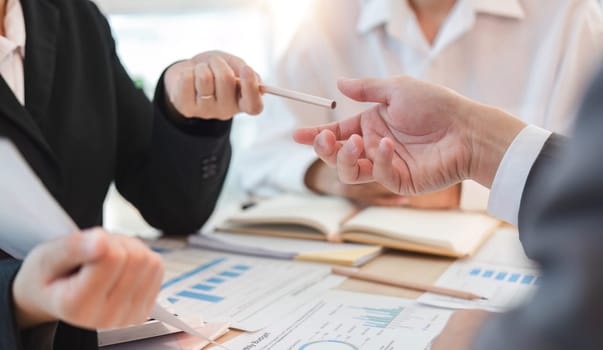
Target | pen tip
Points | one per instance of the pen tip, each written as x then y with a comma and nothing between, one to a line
333,105
483,298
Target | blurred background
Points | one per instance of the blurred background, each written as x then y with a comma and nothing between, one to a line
151,34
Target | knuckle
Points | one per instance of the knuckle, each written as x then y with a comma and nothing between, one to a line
256,108
206,77
183,77
155,263
117,255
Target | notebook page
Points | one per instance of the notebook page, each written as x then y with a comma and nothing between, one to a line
453,230
322,213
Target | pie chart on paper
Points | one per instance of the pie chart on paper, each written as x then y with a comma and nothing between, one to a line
328,345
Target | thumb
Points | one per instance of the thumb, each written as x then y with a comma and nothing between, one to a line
61,257
366,90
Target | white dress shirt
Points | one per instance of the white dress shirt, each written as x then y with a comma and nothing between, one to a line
530,58
12,49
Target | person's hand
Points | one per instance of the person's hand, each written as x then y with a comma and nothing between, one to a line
90,280
460,331
420,138
213,85
322,179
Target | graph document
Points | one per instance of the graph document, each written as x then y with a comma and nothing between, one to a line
339,320
249,293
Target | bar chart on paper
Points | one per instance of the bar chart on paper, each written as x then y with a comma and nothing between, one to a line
503,286
341,320
249,293
203,289
376,317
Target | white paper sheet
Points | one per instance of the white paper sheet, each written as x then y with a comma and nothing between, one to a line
504,247
504,286
338,320
28,213
249,293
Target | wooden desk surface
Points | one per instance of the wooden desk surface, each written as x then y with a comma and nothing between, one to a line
401,266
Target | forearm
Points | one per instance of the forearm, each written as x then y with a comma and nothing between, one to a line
491,132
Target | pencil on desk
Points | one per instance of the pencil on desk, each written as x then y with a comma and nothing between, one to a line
403,284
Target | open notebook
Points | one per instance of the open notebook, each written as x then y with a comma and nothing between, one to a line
447,233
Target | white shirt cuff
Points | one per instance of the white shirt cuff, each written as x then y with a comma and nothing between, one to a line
513,171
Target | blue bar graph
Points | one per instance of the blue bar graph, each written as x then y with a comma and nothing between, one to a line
200,296
475,272
230,274
527,279
501,276
504,276
172,300
192,272
377,318
514,277
204,287
216,280
241,267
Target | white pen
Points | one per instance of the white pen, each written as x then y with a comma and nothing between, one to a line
299,96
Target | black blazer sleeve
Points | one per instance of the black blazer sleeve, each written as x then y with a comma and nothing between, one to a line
562,229
171,170
543,167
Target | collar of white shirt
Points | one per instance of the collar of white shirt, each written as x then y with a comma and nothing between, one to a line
400,20
14,26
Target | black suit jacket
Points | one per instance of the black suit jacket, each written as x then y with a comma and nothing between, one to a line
561,227
85,125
